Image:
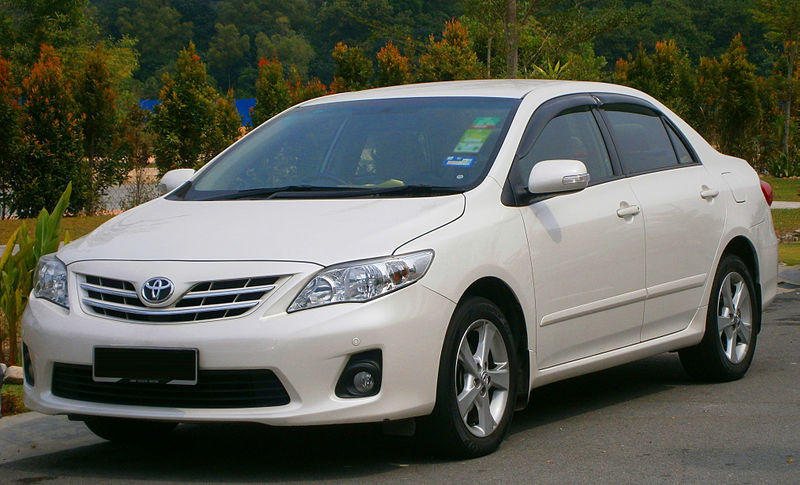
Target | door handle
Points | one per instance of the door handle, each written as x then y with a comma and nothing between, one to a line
708,193
628,210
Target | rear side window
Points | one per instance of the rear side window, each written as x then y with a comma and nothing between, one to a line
641,139
684,155
573,135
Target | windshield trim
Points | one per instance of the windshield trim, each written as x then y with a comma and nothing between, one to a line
331,194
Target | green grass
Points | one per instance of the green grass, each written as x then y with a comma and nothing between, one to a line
786,220
77,226
12,400
787,189
789,253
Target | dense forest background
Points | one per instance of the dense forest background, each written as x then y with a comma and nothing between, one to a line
72,72
232,35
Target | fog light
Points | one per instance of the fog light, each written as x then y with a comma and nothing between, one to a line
363,382
361,376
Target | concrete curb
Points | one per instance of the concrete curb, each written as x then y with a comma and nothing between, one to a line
780,204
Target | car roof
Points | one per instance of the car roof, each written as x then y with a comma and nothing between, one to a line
497,88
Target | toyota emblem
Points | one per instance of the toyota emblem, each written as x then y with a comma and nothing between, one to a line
157,290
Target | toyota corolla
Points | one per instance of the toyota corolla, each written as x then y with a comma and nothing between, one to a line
422,255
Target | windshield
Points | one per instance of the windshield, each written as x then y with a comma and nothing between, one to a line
396,147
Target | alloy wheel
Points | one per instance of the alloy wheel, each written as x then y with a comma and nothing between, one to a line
482,378
734,317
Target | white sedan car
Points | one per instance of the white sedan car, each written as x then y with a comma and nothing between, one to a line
422,255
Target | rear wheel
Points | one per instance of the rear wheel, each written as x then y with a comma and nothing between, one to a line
727,348
477,382
121,430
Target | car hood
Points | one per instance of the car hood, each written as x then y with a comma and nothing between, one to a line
321,231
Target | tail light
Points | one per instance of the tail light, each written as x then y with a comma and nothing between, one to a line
766,189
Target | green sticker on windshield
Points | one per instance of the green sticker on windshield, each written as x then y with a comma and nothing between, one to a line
485,122
472,141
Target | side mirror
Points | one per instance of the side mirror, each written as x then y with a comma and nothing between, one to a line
554,176
174,179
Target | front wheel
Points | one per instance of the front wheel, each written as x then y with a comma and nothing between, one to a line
477,382
732,321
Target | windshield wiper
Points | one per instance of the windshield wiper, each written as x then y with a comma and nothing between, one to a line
319,192
418,190
269,192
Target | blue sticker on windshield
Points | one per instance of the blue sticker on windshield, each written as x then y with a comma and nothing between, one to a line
456,161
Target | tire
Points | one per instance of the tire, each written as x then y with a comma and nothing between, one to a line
734,315
476,390
119,430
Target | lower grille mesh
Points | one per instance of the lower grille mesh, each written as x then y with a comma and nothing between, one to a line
214,389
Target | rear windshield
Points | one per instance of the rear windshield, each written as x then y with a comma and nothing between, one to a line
365,148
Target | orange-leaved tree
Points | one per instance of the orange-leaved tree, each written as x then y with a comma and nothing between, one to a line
272,93
52,138
393,67
451,58
352,70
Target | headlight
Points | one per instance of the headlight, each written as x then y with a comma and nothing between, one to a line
50,280
361,281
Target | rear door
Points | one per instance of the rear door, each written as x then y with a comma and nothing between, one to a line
683,218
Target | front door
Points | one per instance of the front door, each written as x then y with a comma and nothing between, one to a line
587,248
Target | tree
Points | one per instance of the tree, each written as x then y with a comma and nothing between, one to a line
450,58
227,52
184,120
782,21
666,75
729,100
511,23
486,21
159,30
272,93
292,49
133,147
52,138
538,35
97,101
300,91
57,24
227,124
10,135
393,67
352,69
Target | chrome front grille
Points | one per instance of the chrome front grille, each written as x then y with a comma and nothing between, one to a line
204,301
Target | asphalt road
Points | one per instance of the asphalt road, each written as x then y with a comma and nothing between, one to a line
644,422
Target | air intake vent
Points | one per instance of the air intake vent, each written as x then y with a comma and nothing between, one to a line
251,388
204,301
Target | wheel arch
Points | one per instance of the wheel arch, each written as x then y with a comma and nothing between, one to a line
499,293
741,247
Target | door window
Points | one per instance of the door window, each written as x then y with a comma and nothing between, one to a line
642,141
684,155
573,135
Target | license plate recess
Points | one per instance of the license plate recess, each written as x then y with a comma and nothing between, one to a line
145,365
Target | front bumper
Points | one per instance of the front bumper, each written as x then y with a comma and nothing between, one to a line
307,350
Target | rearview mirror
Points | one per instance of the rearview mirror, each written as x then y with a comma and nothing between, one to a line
554,176
174,179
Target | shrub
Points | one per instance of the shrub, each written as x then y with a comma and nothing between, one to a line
16,268
785,164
